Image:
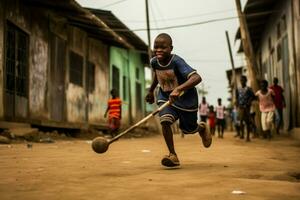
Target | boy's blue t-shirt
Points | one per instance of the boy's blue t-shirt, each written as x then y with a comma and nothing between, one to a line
169,76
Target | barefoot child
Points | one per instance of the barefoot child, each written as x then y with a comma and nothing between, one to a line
175,77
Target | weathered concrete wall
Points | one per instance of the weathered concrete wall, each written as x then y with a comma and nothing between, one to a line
98,54
35,25
119,58
128,61
135,63
289,84
297,53
2,8
76,99
38,70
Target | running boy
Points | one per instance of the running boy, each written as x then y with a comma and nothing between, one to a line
114,108
175,77
267,107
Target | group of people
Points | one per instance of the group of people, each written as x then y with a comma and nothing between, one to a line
177,81
214,116
271,103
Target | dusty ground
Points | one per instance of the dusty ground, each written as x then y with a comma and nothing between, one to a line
131,170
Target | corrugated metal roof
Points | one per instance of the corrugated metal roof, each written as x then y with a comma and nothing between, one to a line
94,25
119,27
257,15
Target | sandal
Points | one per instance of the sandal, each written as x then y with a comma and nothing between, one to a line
205,135
170,160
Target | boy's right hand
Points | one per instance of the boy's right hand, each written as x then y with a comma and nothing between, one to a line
150,98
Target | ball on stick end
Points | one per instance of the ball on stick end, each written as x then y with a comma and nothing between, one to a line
100,144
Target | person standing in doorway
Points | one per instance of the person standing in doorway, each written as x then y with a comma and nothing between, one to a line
203,110
279,101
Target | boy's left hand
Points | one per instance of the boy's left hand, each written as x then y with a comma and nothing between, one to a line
174,95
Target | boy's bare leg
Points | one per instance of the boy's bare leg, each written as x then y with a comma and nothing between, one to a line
168,135
170,160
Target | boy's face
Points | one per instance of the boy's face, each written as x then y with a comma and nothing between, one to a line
162,48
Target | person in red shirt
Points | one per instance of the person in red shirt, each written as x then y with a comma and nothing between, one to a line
114,110
212,120
279,103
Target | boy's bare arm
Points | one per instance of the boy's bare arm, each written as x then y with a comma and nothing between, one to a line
193,80
150,96
154,83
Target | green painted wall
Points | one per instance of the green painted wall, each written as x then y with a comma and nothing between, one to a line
131,73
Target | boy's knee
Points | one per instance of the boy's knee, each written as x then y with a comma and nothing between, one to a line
167,118
165,123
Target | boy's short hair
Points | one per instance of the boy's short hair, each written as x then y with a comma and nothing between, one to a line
165,36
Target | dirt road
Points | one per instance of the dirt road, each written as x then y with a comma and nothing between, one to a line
131,169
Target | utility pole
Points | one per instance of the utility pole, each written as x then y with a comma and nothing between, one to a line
148,30
233,78
250,58
247,46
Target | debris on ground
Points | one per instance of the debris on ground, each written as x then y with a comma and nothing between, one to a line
4,140
239,192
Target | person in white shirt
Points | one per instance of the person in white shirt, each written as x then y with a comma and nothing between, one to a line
220,115
203,110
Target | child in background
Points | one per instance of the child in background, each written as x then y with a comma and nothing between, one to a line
244,98
114,110
203,110
220,112
236,121
267,107
212,120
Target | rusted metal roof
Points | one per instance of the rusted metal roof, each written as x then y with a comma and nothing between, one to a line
120,28
99,26
257,14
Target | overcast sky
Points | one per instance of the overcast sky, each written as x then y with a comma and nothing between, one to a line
203,46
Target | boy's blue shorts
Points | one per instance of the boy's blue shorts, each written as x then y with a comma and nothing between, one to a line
187,120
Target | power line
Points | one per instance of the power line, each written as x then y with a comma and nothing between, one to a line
182,17
186,17
111,4
162,28
184,25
